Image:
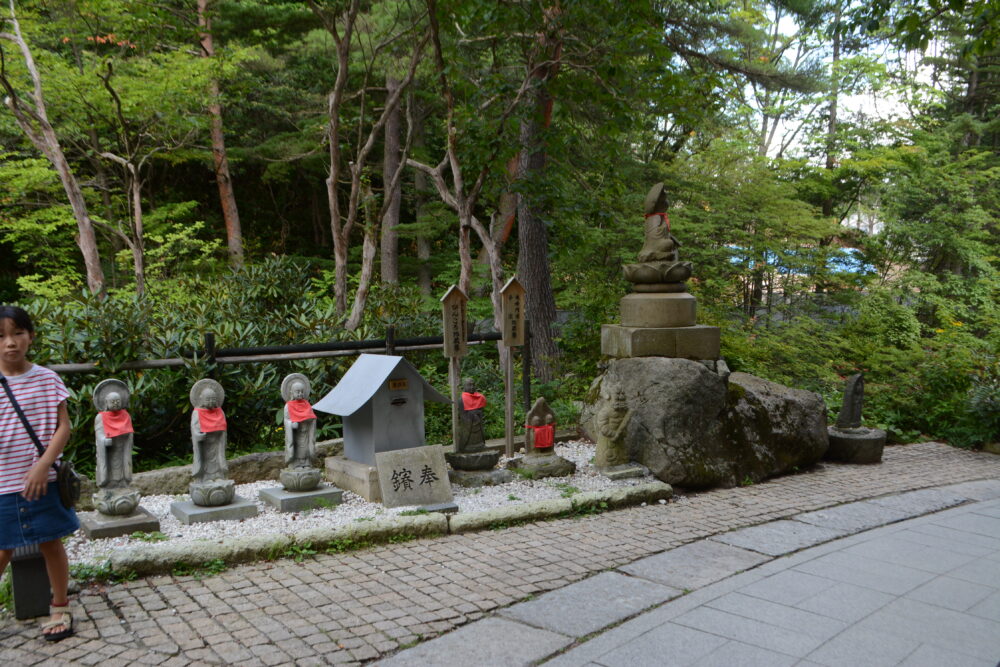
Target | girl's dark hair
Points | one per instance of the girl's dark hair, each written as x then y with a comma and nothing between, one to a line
20,317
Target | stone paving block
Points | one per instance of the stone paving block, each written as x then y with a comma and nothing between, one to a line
782,616
932,656
694,565
888,549
866,572
736,653
943,628
749,631
983,489
959,536
496,642
589,605
951,593
988,608
983,572
863,646
779,537
854,517
979,524
923,501
845,602
666,644
788,587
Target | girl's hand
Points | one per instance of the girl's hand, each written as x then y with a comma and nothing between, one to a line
36,482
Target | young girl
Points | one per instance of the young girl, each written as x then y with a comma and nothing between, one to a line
30,509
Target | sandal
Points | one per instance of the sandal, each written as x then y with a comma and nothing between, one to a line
66,622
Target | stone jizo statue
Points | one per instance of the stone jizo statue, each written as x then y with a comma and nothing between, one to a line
541,428
299,473
658,262
113,436
612,421
471,437
210,485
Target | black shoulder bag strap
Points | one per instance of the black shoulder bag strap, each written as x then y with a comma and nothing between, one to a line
24,419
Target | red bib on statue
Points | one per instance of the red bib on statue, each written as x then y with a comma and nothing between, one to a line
545,436
299,410
116,422
473,401
211,419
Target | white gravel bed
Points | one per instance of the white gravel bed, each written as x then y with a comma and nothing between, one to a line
353,508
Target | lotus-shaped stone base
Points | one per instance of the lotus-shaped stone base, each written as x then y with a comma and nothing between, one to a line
212,493
300,479
657,272
116,502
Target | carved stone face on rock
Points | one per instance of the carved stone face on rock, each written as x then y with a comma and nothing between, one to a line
619,402
469,386
298,391
209,399
114,401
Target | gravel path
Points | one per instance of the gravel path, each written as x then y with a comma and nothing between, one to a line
354,508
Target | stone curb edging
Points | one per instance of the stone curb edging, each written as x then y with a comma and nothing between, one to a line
162,559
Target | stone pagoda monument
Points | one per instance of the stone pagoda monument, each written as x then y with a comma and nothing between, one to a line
658,317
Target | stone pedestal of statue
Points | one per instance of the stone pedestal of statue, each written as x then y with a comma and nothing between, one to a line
239,508
97,526
320,496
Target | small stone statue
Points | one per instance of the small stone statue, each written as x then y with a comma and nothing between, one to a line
210,486
539,445
300,436
854,397
659,264
612,421
850,442
471,437
113,434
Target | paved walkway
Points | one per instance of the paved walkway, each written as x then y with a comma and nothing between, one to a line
362,606
923,592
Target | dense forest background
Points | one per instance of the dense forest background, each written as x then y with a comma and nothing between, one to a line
280,172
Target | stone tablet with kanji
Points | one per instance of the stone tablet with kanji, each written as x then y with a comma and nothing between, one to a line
416,476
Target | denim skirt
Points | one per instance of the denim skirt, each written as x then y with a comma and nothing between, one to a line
25,522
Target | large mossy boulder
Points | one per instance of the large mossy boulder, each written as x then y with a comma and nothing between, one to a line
693,429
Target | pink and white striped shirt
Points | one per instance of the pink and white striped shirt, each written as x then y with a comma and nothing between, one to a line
39,393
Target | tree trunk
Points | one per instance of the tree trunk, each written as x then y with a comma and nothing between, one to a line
234,232
138,246
421,186
390,163
35,124
831,123
368,248
533,244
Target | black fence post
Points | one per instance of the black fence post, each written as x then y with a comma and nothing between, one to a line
210,353
390,340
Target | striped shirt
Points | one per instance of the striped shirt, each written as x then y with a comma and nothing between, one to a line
39,393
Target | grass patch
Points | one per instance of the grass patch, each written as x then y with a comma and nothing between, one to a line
155,536
200,570
86,573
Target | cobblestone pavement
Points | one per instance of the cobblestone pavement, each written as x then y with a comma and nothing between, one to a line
354,607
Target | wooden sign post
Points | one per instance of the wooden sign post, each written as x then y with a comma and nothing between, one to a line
512,300
456,336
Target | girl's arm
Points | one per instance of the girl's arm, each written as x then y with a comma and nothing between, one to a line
37,479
